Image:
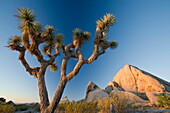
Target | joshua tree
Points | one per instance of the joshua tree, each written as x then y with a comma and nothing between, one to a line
33,35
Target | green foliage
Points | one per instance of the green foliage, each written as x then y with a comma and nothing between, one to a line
86,36
114,44
15,40
2,99
106,21
53,67
27,18
4,108
121,104
25,14
164,101
50,44
49,29
24,107
67,106
78,34
38,27
59,38
104,43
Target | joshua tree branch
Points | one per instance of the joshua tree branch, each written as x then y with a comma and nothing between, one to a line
25,39
58,94
76,68
32,70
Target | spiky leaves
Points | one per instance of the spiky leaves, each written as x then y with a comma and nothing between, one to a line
37,27
113,44
106,21
59,38
25,14
15,40
86,36
81,36
102,26
53,67
27,18
105,44
54,41
49,33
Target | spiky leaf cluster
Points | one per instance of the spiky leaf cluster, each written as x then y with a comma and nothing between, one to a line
53,67
49,33
25,14
59,38
27,18
106,21
104,43
114,44
15,40
37,27
78,34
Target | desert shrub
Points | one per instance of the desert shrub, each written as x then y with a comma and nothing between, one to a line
21,107
164,101
5,108
67,106
36,107
2,99
104,105
24,107
120,104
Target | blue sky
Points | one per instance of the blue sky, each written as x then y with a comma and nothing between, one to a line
142,31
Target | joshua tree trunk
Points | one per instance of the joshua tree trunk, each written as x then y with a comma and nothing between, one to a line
44,101
45,107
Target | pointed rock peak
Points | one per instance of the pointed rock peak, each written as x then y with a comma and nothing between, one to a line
129,66
131,78
91,87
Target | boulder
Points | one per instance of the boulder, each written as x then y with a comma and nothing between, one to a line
91,87
132,79
93,92
115,86
108,89
128,96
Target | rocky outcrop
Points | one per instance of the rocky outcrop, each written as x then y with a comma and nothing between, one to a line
131,78
130,97
136,85
93,92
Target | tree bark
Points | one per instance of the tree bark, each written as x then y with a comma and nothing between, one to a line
44,101
58,94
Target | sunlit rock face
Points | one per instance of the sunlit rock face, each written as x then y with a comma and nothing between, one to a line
132,79
130,82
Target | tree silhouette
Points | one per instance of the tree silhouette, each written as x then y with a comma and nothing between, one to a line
33,35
